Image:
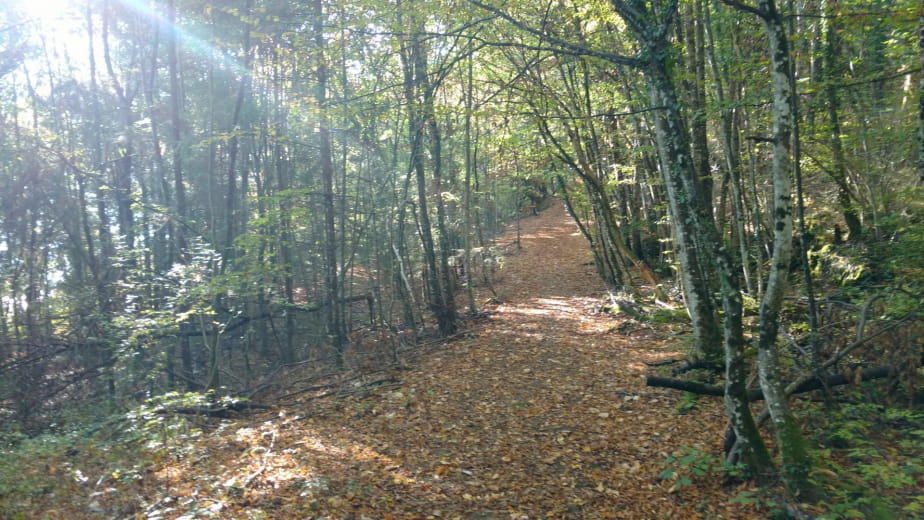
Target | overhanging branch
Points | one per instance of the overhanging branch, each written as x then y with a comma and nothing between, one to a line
556,44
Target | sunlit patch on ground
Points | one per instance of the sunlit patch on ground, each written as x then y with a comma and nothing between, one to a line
539,411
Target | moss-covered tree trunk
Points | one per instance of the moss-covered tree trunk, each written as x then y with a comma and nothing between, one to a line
792,447
695,227
921,101
694,222
683,206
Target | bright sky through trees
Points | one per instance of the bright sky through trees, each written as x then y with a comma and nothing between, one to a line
239,196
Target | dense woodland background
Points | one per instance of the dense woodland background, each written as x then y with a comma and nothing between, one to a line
197,195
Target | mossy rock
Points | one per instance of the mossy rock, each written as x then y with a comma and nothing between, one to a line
665,316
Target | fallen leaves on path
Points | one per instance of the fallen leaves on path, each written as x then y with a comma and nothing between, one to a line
540,411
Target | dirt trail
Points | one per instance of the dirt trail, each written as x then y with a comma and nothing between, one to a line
539,412
554,261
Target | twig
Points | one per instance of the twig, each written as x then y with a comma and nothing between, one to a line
262,467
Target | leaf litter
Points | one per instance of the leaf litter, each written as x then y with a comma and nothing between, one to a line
538,411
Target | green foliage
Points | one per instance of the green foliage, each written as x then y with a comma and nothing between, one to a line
114,451
69,464
870,461
161,428
688,463
895,258
839,265
688,402
18,485
901,256
664,316
763,500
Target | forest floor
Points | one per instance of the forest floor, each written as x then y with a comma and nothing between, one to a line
538,409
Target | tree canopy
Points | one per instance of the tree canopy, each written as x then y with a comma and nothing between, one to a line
198,195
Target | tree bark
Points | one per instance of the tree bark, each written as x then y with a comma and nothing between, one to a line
921,101
125,146
176,132
415,67
331,275
756,394
695,225
231,203
446,318
730,143
794,454
469,169
838,172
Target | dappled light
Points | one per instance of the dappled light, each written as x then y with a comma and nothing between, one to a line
537,410
525,415
477,259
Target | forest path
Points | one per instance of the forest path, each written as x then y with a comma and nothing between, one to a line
538,411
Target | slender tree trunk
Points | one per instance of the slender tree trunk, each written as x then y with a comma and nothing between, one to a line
672,141
697,93
469,167
106,247
804,240
176,135
415,68
447,320
401,278
795,460
179,186
125,146
331,274
231,205
694,227
921,101
694,223
838,172
730,144
160,249
281,163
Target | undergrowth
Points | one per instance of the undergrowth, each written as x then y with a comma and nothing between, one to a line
99,465
869,463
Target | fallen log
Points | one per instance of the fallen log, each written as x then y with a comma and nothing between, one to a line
220,410
756,394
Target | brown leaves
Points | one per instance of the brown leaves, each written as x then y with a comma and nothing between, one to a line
540,412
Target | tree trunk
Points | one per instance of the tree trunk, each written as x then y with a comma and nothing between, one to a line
679,173
676,161
331,275
125,145
446,320
415,68
730,144
106,256
795,460
231,204
838,173
921,101
756,394
281,168
176,107
696,229
469,168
